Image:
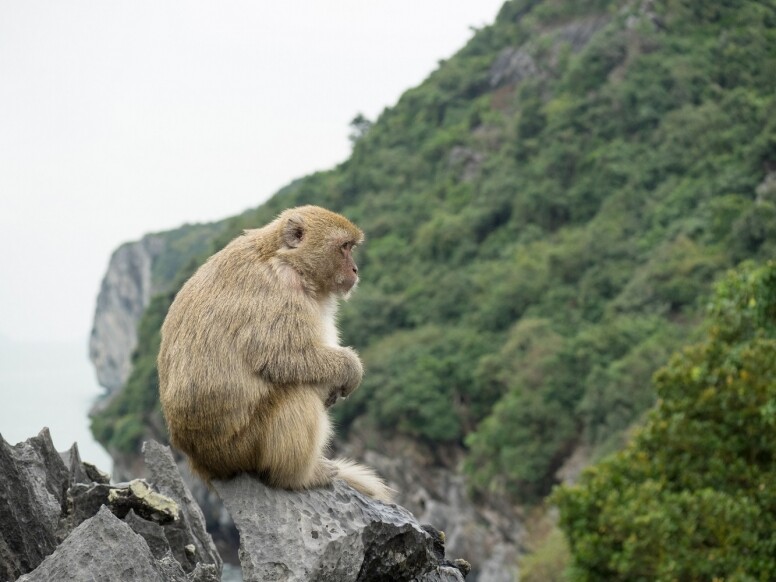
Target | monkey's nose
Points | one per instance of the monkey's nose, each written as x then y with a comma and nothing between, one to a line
355,270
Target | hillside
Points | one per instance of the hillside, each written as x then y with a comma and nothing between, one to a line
545,216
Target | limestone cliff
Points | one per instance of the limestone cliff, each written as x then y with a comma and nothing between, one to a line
124,294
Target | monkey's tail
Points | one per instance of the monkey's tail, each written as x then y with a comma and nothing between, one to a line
364,480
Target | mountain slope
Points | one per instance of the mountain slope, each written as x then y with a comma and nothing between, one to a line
545,216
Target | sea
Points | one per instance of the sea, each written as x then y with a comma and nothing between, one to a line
50,384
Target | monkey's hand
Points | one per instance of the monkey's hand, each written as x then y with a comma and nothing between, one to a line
352,373
332,398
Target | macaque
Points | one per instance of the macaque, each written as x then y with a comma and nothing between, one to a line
250,357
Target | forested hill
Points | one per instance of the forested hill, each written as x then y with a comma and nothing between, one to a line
545,216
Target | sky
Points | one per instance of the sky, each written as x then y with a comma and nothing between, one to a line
123,118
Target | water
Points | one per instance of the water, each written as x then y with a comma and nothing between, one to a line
53,385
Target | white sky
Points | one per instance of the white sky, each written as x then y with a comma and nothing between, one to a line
122,118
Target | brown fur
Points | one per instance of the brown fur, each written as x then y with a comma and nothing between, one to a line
250,359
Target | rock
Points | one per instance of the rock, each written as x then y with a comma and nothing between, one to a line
515,64
33,481
105,548
511,66
151,532
467,159
488,532
85,499
72,460
443,574
138,495
334,534
95,474
47,497
189,528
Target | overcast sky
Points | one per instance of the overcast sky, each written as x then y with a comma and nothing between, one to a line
122,118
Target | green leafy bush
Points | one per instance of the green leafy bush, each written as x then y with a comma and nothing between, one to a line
692,497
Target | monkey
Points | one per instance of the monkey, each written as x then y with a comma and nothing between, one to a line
250,359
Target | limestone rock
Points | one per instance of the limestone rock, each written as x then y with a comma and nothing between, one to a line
151,532
513,65
189,528
33,479
47,497
105,548
85,499
72,460
488,533
334,534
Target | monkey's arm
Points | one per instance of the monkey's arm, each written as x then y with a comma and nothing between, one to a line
334,366
290,352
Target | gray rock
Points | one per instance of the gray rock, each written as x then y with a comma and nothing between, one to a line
104,548
85,499
467,159
204,573
511,66
72,460
516,64
443,574
47,497
33,481
189,528
489,532
334,534
151,532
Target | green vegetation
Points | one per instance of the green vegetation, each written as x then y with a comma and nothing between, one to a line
544,228
692,497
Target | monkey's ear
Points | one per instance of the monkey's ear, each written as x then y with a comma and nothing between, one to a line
293,231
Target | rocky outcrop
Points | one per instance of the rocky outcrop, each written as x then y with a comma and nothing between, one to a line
515,64
489,533
125,293
33,482
62,519
105,548
331,535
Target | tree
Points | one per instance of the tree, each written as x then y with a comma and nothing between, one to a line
693,497
359,127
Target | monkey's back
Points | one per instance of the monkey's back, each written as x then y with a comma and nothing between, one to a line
206,383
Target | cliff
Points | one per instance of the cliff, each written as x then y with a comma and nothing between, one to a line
125,292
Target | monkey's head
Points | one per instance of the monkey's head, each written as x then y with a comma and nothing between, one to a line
319,245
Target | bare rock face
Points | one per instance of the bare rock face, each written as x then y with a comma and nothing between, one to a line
187,535
62,519
33,481
515,64
489,533
105,548
125,293
334,534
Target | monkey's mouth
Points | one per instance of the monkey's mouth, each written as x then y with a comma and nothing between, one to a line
348,287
